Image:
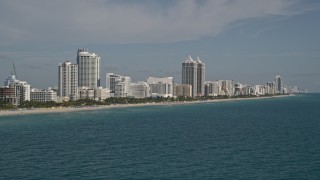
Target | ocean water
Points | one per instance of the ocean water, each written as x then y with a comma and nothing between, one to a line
275,138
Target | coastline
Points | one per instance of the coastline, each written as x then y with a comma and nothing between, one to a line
92,108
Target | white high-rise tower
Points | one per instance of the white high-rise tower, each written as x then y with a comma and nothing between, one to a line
89,69
68,80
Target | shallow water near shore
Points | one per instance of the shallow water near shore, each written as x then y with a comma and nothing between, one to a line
277,138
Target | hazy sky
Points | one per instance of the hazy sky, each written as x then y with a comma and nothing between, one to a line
249,41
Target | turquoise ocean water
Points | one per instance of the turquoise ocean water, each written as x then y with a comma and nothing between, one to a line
275,138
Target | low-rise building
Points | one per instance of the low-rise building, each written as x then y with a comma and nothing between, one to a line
162,87
86,93
183,90
139,90
211,88
101,94
8,94
43,95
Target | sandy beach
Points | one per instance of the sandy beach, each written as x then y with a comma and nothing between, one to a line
90,108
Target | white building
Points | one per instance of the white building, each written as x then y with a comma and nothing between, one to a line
43,95
259,90
101,94
88,69
139,90
22,88
182,90
162,87
270,88
68,80
212,88
238,89
118,85
248,90
86,93
193,73
227,87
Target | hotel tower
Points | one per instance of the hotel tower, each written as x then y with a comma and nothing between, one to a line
68,80
89,69
193,73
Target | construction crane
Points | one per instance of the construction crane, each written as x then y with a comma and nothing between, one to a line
14,69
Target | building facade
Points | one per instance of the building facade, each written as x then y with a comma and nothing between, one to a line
139,90
162,87
182,90
201,72
226,87
279,84
68,80
101,94
193,73
8,94
88,69
43,95
118,85
211,88
21,89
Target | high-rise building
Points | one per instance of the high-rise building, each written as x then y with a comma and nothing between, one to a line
201,71
193,73
68,80
8,94
162,87
279,84
259,90
21,88
270,88
118,85
88,69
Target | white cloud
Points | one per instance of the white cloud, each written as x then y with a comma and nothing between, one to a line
109,21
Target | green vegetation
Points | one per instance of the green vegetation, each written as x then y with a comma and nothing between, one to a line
6,105
115,100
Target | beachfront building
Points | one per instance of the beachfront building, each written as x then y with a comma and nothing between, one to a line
248,90
86,93
201,72
279,84
211,88
182,90
68,81
238,89
88,69
270,88
8,94
259,90
118,85
162,87
101,94
226,87
139,90
193,73
43,95
21,89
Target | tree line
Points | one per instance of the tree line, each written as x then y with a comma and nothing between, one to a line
113,100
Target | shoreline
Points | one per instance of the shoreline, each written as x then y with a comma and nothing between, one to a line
92,108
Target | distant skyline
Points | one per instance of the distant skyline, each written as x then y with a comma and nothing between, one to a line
248,41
